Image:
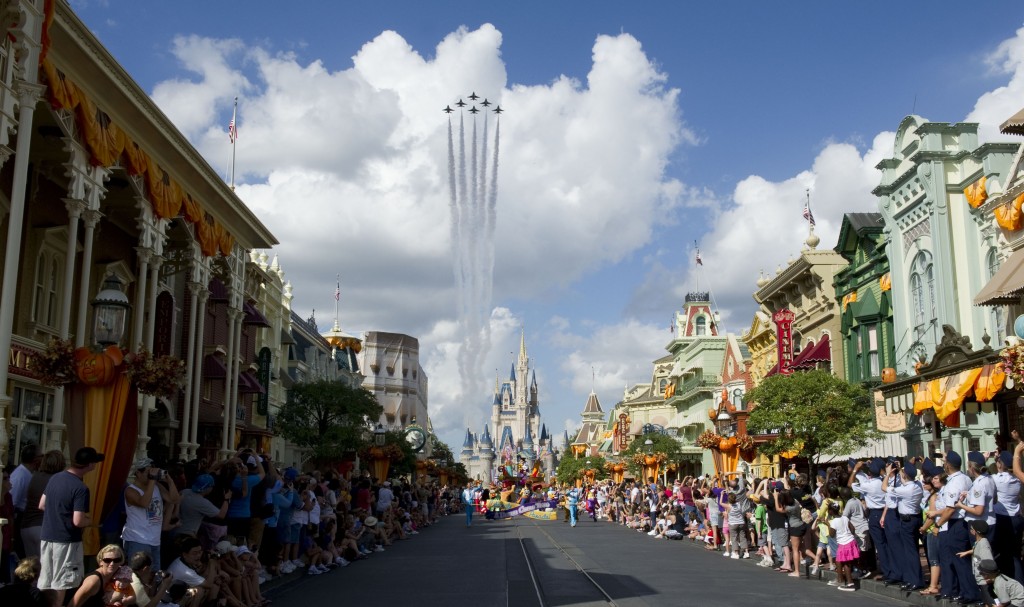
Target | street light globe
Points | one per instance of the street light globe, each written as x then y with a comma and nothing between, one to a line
378,435
110,310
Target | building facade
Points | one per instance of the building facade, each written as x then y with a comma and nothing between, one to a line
392,372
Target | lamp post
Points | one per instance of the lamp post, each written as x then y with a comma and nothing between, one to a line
378,435
650,469
110,311
381,462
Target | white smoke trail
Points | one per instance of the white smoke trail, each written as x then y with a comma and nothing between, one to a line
472,208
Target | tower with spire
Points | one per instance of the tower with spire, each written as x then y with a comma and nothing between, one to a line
515,430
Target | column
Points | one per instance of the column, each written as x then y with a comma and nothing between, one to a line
191,370
149,401
55,427
237,348
203,295
91,218
28,95
229,384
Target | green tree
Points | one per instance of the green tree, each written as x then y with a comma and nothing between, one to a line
327,417
660,443
814,413
407,464
571,468
440,451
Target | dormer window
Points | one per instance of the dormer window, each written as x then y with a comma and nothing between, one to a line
700,326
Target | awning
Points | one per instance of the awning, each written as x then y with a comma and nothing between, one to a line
820,352
286,338
248,384
218,291
1013,126
213,367
254,316
1006,286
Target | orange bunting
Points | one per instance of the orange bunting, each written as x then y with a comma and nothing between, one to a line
1008,215
976,194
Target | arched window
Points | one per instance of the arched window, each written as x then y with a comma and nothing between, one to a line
998,312
700,326
922,288
737,399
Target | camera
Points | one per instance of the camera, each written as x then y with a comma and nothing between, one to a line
158,577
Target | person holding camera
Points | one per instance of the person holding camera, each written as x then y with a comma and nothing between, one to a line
149,584
145,498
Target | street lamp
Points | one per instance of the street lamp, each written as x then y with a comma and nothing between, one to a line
379,435
110,310
649,446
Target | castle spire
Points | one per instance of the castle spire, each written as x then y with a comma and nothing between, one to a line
522,344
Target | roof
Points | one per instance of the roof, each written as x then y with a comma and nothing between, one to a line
593,405
860,221
820,352
1007,284
1015,124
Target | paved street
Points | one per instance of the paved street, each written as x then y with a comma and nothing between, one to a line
485,565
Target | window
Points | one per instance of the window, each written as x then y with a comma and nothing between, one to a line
701,325
737,399
922,288
857,347
872,338
998,312
47,282
31,411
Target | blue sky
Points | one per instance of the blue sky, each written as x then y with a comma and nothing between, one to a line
628,135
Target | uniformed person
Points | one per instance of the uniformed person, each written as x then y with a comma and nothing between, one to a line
1009,523
957,577
891,523
869,486
905,553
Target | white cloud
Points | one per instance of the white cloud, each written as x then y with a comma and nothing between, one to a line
995,106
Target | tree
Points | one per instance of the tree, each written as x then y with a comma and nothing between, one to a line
813,412
570,468
440,451
328,417
660,443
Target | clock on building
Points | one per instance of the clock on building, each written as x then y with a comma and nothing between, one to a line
416,437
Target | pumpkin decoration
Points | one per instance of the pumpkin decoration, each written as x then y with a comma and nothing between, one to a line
97,368
888,375
727,444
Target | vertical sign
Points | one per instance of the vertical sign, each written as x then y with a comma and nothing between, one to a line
784,335
623,431
164,327
263,376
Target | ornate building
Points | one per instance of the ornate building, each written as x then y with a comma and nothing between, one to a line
515,434
391,365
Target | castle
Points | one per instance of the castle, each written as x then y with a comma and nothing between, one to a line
515,436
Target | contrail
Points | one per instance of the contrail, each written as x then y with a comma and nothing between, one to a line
472,209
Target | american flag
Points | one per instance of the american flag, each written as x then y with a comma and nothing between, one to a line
699,262
808,215
232,130
337,293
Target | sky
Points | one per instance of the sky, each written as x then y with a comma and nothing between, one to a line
630,138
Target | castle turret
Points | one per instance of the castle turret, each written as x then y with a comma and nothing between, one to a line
467,450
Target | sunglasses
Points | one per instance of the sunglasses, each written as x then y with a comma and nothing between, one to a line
109,561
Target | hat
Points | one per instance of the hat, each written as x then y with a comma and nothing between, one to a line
953,459
779,486
142,463
370,521
387,483
976,457
290,474
202,483
242,550
1007,458
910,471
224,546
980,526
850,463
822,473
252,462
988,566
86,456
875,467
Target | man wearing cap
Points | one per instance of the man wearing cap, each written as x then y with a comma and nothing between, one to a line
195,506
144,510
957,579
1006,590
1009,523
891,522
250,473
65,506
908,521
869,486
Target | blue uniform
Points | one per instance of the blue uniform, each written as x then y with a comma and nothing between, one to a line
572,500
908,512
957,577
1009,525
870,489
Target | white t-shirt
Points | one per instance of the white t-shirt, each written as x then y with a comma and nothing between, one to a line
314,513
842,526
143,525
183,572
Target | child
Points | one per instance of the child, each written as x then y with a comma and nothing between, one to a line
982,551
847,551
829,510
1007,591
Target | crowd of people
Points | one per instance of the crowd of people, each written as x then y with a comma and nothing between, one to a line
194,533
952,531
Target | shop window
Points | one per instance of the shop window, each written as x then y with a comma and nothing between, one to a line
998,313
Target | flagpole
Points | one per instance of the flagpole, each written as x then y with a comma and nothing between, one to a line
234,138
337,299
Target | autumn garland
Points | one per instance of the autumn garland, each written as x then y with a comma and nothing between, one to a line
709,440
1013,362
55,365
154,375
744,442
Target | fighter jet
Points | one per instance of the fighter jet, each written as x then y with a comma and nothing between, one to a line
498,110
474,96
485,103
473,110
447,109
460,103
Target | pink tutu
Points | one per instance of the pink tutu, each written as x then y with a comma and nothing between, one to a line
847,552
